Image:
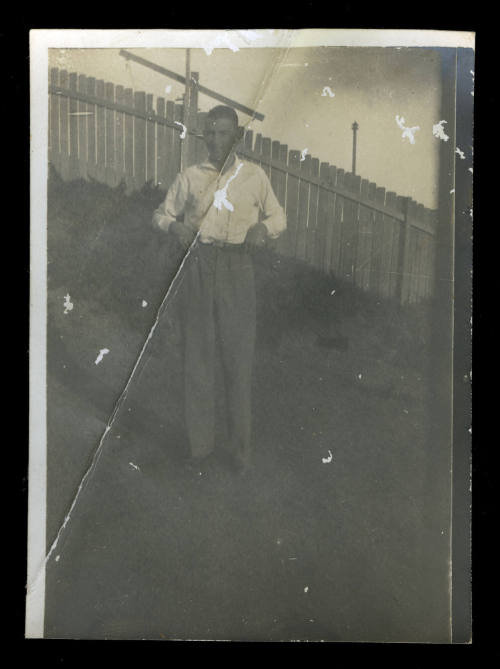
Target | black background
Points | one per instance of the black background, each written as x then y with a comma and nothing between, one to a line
15,48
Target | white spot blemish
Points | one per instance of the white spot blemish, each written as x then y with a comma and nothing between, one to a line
278,541
303,155
57,558
134,466
219,41
360,376
328,459
438,131
184,129
408,133
470,170
168,88
220,196
144,303
405,410
102,353
327,91
333,292
460,153
306,589
452,191
68,305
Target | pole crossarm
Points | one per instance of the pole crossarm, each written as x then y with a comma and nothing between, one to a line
201,89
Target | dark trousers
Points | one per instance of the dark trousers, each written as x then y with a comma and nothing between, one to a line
217,309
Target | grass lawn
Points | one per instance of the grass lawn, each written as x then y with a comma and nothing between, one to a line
341,530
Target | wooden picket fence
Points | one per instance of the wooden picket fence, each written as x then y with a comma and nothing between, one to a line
336,221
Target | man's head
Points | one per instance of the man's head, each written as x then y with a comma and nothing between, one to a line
221,133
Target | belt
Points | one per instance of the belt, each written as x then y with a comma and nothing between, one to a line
222,245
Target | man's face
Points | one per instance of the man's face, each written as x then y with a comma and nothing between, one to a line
220,137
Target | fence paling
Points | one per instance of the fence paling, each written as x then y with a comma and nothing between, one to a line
266,155
171,168
201,153
378,244
335,248
150,144
319,257
176,140
283,244
364,242
303,209
82,130
391,241
329,222
274,176
312,214
140,140
128,96
292,200
161,148
63,127
73,172
119,127
55,150
111,174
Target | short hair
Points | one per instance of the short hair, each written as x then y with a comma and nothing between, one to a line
222,111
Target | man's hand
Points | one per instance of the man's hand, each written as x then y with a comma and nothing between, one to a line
182,233
256,236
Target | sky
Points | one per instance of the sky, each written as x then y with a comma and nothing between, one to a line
369,85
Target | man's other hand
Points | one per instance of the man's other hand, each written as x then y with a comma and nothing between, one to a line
256,236
182,233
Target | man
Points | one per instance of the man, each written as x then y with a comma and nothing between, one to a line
220,210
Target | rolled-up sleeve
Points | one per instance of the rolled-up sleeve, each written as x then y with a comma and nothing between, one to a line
173,205
273,215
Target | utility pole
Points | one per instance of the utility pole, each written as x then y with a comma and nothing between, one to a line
201,89
355,127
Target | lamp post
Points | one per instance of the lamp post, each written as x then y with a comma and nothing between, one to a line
355,127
